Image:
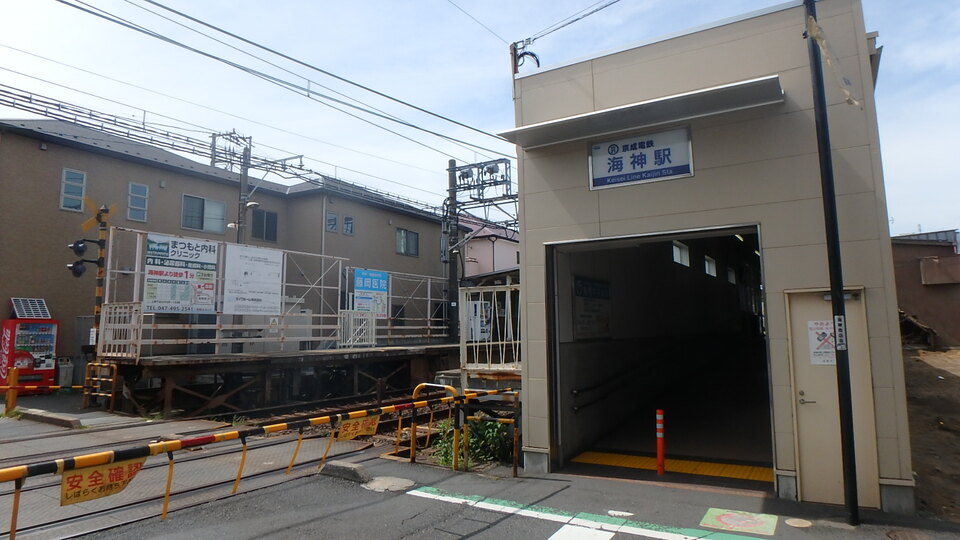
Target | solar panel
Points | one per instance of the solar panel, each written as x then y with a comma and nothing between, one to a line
30,308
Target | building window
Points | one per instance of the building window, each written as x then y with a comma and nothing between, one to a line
710,266
732,275
681,253
408,242
137,202
202,214
348,225
331,222
264,225
72,189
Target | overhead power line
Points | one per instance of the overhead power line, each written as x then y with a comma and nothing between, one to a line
218,111
325,72
571,19
137,132
299,89
485,27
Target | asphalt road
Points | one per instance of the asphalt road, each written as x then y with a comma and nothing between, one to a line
443,505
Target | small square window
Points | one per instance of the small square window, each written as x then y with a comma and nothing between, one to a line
348,225
264,225
681,253
408,242
203,214
332,222
710,266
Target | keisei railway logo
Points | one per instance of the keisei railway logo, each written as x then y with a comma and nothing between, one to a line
158,249
613,149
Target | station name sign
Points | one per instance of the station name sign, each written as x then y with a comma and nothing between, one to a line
642,158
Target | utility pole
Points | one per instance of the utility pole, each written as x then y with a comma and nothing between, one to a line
453,235
828,189
244,195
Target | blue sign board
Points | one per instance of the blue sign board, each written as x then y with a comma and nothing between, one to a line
641,158
370,280
371,291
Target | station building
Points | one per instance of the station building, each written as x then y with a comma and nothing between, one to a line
674,257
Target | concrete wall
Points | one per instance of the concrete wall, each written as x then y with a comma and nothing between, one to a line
751,167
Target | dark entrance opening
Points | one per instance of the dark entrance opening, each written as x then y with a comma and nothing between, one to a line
668,322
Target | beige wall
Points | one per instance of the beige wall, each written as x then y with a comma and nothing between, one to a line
751,167
35,231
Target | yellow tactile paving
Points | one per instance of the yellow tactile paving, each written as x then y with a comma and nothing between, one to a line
703,468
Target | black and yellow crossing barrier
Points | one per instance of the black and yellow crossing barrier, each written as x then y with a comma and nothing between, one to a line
20,473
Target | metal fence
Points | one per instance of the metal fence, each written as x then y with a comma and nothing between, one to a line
317,299
490,329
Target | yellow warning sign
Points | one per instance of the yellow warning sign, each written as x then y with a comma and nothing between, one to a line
89,483
350,429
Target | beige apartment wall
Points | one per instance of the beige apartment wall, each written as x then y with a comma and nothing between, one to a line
751,167
373,243
35,231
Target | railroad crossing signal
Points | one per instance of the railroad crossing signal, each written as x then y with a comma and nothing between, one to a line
79,248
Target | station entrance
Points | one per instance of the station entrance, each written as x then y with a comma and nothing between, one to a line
673,322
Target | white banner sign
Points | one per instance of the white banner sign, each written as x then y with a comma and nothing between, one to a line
252,281
180,275
641,158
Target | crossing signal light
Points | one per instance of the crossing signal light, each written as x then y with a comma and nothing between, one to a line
79,248
77,268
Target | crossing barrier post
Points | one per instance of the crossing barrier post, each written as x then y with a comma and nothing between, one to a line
243,460
18,485
166,494
296,451
13,379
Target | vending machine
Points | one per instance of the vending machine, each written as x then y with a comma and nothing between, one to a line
30,344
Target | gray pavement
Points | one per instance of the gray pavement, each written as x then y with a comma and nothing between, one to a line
443,504
425,501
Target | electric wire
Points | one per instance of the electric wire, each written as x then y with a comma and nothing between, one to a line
208,131
269,78
286,84
562,24
325,72
218,111
485,27
260,58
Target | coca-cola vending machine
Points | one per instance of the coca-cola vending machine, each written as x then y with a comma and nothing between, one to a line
29,342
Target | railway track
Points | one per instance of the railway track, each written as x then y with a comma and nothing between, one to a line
268,455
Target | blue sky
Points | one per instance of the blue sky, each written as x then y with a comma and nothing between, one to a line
430,53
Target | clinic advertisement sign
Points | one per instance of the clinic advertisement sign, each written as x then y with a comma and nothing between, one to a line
180,275
591,308
642,158
371,292
252,280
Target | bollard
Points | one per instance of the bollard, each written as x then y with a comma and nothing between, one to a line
13,379
661,467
